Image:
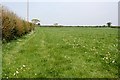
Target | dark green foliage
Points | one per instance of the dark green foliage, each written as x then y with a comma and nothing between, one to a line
109,24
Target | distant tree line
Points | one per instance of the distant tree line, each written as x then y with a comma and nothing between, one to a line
104,26
83,26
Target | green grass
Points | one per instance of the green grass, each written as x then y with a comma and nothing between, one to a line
0,59
62,53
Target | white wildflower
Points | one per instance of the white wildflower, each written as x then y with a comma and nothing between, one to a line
103,58
106,57
17,72
23,65
14,74
113,61
21,68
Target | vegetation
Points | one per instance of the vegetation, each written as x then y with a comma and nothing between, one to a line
35,21
13,26
62,52
56,51
55,24
109,24
81,26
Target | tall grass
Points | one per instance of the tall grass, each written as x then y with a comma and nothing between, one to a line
13,26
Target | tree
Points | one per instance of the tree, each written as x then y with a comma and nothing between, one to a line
35,21
55,24
109,24
39,24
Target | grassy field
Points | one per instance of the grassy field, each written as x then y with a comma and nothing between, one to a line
0,59
62,53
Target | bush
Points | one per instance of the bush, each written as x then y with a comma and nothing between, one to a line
13,26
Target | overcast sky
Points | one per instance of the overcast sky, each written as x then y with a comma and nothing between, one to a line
68,13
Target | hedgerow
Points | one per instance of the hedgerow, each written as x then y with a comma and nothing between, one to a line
13,26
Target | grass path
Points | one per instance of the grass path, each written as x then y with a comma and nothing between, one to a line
21,44
62,52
